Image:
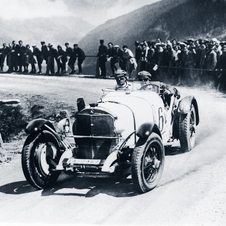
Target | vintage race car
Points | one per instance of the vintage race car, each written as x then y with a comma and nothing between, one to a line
124,133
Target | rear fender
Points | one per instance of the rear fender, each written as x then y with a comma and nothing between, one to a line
37,125
185,105
145,131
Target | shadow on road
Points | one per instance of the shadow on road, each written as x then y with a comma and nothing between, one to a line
173,150
73,186
17,188
89,187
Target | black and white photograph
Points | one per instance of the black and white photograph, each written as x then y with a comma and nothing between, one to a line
112,112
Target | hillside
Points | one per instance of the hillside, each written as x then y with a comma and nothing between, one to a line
56,30
166,19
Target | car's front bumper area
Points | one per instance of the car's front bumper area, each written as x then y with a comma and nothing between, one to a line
90,167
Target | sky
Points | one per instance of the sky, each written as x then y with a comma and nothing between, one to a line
95,12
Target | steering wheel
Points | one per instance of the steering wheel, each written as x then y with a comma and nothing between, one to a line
152,87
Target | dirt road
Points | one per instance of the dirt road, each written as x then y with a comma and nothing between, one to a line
191,190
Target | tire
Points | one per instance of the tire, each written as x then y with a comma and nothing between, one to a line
147,163
39,158
187,126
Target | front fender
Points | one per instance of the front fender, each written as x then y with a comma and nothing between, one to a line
37,125
146,129
185,105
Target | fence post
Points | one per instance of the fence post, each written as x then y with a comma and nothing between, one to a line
1,142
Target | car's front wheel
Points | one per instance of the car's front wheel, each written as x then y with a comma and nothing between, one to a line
39,160
148,163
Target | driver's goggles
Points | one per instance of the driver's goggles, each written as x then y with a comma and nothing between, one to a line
120,78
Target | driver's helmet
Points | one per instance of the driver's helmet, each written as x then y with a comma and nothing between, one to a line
120,73
144,76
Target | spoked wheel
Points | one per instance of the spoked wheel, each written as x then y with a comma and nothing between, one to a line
39,160
148,163
187,127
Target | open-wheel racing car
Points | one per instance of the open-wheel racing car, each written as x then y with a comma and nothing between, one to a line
124,133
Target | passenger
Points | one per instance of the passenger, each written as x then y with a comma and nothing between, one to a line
121,79
144,77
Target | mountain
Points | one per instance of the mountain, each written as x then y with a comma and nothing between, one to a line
166,19
56,30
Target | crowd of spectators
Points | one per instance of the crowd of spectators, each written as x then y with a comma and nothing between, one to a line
20,58
191,62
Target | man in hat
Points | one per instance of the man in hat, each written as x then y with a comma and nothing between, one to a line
79,56
39,56
121,79
118,57
144,76
71,56
61,60
45,51
138,53
110,55
13,58
102,58
210,63
51,57
20,54
3,53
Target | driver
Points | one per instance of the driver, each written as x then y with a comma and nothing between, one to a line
121,79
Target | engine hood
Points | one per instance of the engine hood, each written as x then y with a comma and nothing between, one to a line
129,111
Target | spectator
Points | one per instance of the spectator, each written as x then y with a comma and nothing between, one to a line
20,54
118,58
172,57
45,52
102,58
110,55
186,64
161,61
70,55
52,55
210,63
80,56
13,59
144,53
9,58
131,63
3,53
39,56
29,59
138,53
221,86
61,60
151,60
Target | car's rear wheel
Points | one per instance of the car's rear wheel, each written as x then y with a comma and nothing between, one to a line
148,163
187,127
39,160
